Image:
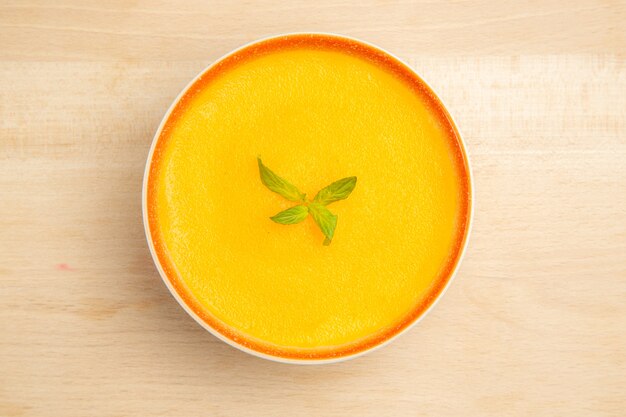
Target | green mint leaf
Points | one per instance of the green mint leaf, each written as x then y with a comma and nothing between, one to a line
292,215
326,221
278,184
338,190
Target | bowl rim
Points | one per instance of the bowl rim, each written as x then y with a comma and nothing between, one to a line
263,355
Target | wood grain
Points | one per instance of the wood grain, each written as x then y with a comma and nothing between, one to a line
534,324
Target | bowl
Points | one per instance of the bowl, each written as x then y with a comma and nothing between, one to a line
214,328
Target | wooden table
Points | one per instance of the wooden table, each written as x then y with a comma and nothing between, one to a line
534,325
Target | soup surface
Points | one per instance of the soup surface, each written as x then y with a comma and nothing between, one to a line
316,108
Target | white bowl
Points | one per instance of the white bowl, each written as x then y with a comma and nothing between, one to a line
233,343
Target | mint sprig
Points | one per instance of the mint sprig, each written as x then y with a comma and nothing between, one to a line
325,220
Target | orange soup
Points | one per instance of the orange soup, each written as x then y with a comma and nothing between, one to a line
316,108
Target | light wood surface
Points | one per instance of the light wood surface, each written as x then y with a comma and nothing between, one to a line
534,325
